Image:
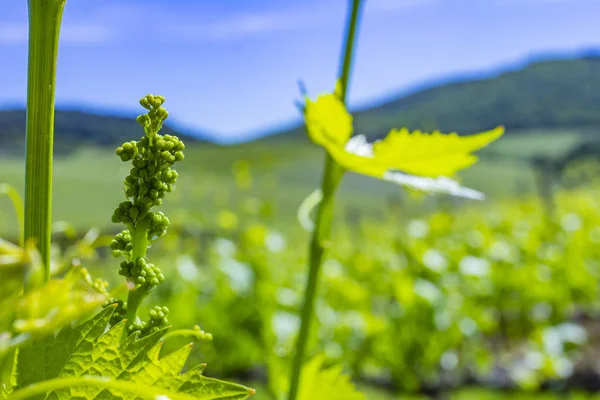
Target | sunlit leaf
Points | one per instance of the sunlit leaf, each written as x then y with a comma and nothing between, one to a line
431,154
431,158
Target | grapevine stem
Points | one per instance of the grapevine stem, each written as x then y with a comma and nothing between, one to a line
197,335
332,176
139,237
44,28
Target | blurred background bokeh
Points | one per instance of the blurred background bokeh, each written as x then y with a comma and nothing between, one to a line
421,295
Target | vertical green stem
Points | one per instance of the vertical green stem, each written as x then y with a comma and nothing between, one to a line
332,176
44,29
140,248
346,63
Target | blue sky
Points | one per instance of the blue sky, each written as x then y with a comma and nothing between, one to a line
230,67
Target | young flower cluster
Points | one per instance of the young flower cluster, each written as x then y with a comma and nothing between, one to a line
142,271
158,225
152,158
120,310
150,178
121,244
158,319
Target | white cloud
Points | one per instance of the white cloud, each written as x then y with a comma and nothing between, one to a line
244,25
13,33
85,34
396,5
279,20
85,23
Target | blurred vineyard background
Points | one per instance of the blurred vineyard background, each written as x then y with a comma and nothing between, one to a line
422,295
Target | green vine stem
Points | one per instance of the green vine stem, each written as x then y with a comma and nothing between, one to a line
44,28
197,334
135,297
332,176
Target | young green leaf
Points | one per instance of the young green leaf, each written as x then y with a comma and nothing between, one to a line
12,268
44,310
57,303
431,158
17,201
89,350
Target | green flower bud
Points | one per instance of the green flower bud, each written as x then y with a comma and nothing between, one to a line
134,212
145,102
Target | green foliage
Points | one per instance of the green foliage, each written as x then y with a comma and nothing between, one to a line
89,350
417,300
13,261
452,295
208,264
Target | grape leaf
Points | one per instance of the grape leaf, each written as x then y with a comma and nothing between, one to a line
92,350
329,124
431,154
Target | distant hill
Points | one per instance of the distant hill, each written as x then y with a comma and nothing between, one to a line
561,93
547,94
74,129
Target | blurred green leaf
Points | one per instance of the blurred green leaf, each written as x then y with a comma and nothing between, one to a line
319,383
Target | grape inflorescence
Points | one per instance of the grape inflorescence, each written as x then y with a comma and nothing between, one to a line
150,178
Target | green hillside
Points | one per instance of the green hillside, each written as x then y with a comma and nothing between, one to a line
73,129
551,94
544,95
